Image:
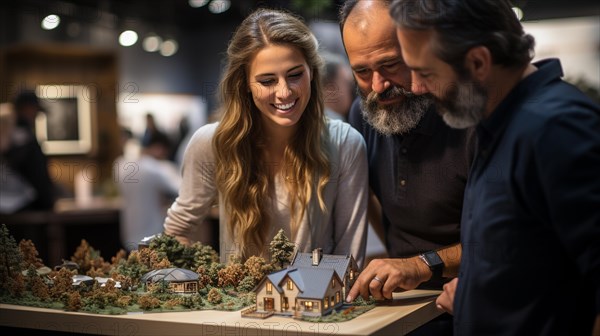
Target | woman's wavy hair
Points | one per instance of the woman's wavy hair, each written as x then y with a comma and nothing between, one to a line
460,25
243,176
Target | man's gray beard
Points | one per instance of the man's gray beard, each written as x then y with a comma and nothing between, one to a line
463,106
396,118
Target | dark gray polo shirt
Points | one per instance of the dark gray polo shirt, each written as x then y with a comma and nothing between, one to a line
419,178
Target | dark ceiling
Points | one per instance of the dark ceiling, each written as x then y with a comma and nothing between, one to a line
174,13
554,9
179,14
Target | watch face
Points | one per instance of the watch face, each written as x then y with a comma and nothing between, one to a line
432,259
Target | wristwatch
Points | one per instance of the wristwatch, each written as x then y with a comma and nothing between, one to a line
435,263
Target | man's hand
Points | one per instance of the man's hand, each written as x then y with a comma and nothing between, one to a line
445,301
384,276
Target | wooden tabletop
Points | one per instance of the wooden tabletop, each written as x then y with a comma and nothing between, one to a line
405,313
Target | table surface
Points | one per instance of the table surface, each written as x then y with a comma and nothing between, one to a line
405,313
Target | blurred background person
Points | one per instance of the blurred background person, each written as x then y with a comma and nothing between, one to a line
24,163
15,192
151,129
338,85
27,107
148,185
193,122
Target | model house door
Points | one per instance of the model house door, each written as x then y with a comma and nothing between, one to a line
269,304
285,305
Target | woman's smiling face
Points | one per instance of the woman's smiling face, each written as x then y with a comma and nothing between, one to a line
279,80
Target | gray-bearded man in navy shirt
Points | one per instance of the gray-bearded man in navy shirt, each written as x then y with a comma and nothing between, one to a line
531,215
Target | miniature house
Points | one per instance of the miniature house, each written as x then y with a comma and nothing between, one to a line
300,291
310,286
344,265
79,279
145,242
180,280
70,265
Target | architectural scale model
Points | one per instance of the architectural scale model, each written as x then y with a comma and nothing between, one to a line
164,276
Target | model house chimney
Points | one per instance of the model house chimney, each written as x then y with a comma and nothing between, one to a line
317,254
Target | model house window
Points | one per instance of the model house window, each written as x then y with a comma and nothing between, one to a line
332,283
332,301
326,303
290,285
308,305
337,296
269,288
351,275
286,304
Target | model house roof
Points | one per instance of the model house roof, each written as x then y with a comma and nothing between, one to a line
170,275
312,282
80,278
276,278
339,263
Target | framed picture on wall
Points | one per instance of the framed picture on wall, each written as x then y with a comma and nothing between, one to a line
66,127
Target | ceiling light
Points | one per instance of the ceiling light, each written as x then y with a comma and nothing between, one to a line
128,38
152,43
518,12
50,22
219,6
168,48
197,3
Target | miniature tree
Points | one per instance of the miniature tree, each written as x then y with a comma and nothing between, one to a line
39,288
126,281
73,301
257,267
131,268
30,275
159,287
121,255
100,270
281,250
11,261
171,303
82,256
191,301
30,254
89,258
102,297
16,285
148,302
213,273
214,296
178,254
164,263
153,259
204,255
96,272
62,282
231,275
203,278
124,301
247,284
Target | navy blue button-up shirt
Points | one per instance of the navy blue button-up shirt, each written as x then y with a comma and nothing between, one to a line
531,215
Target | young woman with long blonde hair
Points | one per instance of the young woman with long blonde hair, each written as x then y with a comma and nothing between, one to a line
274,161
